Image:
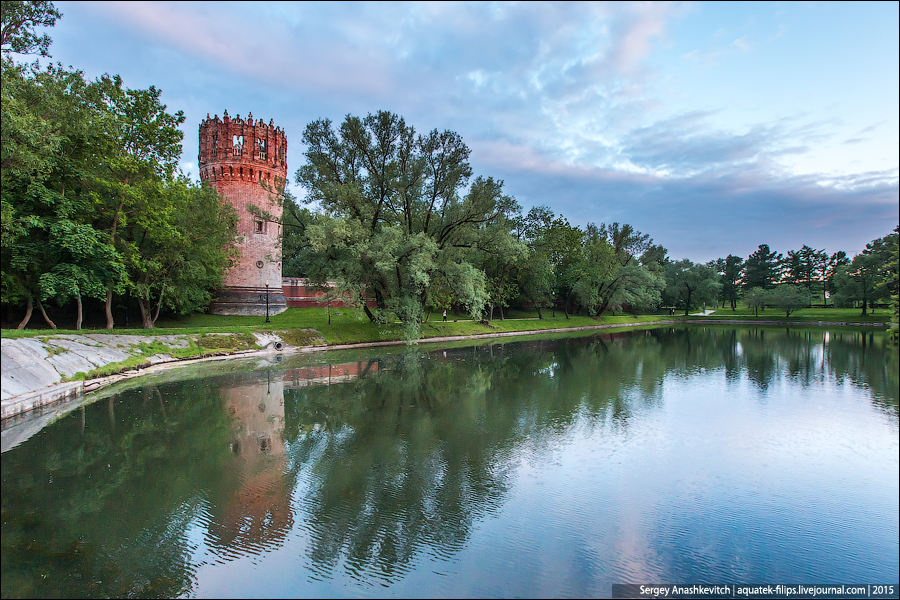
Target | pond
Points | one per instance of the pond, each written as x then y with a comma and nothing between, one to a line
546,467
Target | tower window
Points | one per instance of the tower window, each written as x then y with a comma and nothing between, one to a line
237,145
259,226
261,148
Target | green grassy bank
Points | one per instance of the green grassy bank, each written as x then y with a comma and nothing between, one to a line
347,326
351,326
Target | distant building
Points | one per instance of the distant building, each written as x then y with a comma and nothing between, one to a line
246,162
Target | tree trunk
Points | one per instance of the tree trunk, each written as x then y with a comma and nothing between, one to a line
146,319
28,308
540,316
368,313
502,317
109,315
78,318
44,313
864,305
158,306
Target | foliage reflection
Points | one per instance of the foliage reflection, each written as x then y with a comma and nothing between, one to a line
374,462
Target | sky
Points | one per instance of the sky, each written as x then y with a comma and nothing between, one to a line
712,127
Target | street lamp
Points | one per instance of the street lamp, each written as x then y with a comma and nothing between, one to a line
267,301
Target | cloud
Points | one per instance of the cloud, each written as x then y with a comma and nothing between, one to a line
560,100
743,44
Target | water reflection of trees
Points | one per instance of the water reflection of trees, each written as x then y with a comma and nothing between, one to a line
100,503
393,457
95,505
409,456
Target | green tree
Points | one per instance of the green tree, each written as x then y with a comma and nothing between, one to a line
610,274
50,142
178,255
142,147
562,244
83,263
762,269
756,299
399,214
787,297
890,281
730,270
296,251
802,267
689,283
18,21
829,269
859,281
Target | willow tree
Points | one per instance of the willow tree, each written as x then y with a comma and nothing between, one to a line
611,274
399,215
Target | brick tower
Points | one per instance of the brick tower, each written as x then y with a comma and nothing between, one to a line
246,162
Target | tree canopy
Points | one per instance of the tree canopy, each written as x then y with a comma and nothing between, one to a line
92,203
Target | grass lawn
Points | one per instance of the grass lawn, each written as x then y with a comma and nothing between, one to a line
347,325
834,315
351,326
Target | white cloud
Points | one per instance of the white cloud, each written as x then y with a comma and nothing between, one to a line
743,44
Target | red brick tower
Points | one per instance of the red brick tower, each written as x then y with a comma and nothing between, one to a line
246,162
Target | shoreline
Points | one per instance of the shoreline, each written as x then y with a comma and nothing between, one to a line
63,394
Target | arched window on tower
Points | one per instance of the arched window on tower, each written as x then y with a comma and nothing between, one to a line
261,148
237,145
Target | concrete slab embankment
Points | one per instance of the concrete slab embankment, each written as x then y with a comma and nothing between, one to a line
33,371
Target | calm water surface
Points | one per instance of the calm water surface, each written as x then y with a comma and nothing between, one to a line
537,468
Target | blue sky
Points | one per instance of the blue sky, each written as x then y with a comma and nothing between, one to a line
713,127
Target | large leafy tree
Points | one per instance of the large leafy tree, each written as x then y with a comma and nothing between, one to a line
890,281
787,297
91,203
690,283
557,252
859,281
610,274
400,216
178,256
142,144
52,138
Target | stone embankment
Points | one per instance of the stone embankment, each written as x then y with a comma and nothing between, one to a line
42,370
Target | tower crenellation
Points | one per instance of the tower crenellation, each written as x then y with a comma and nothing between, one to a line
245,160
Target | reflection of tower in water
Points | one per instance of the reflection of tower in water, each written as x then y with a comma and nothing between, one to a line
258,515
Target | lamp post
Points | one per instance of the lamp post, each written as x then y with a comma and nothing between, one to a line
267,301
